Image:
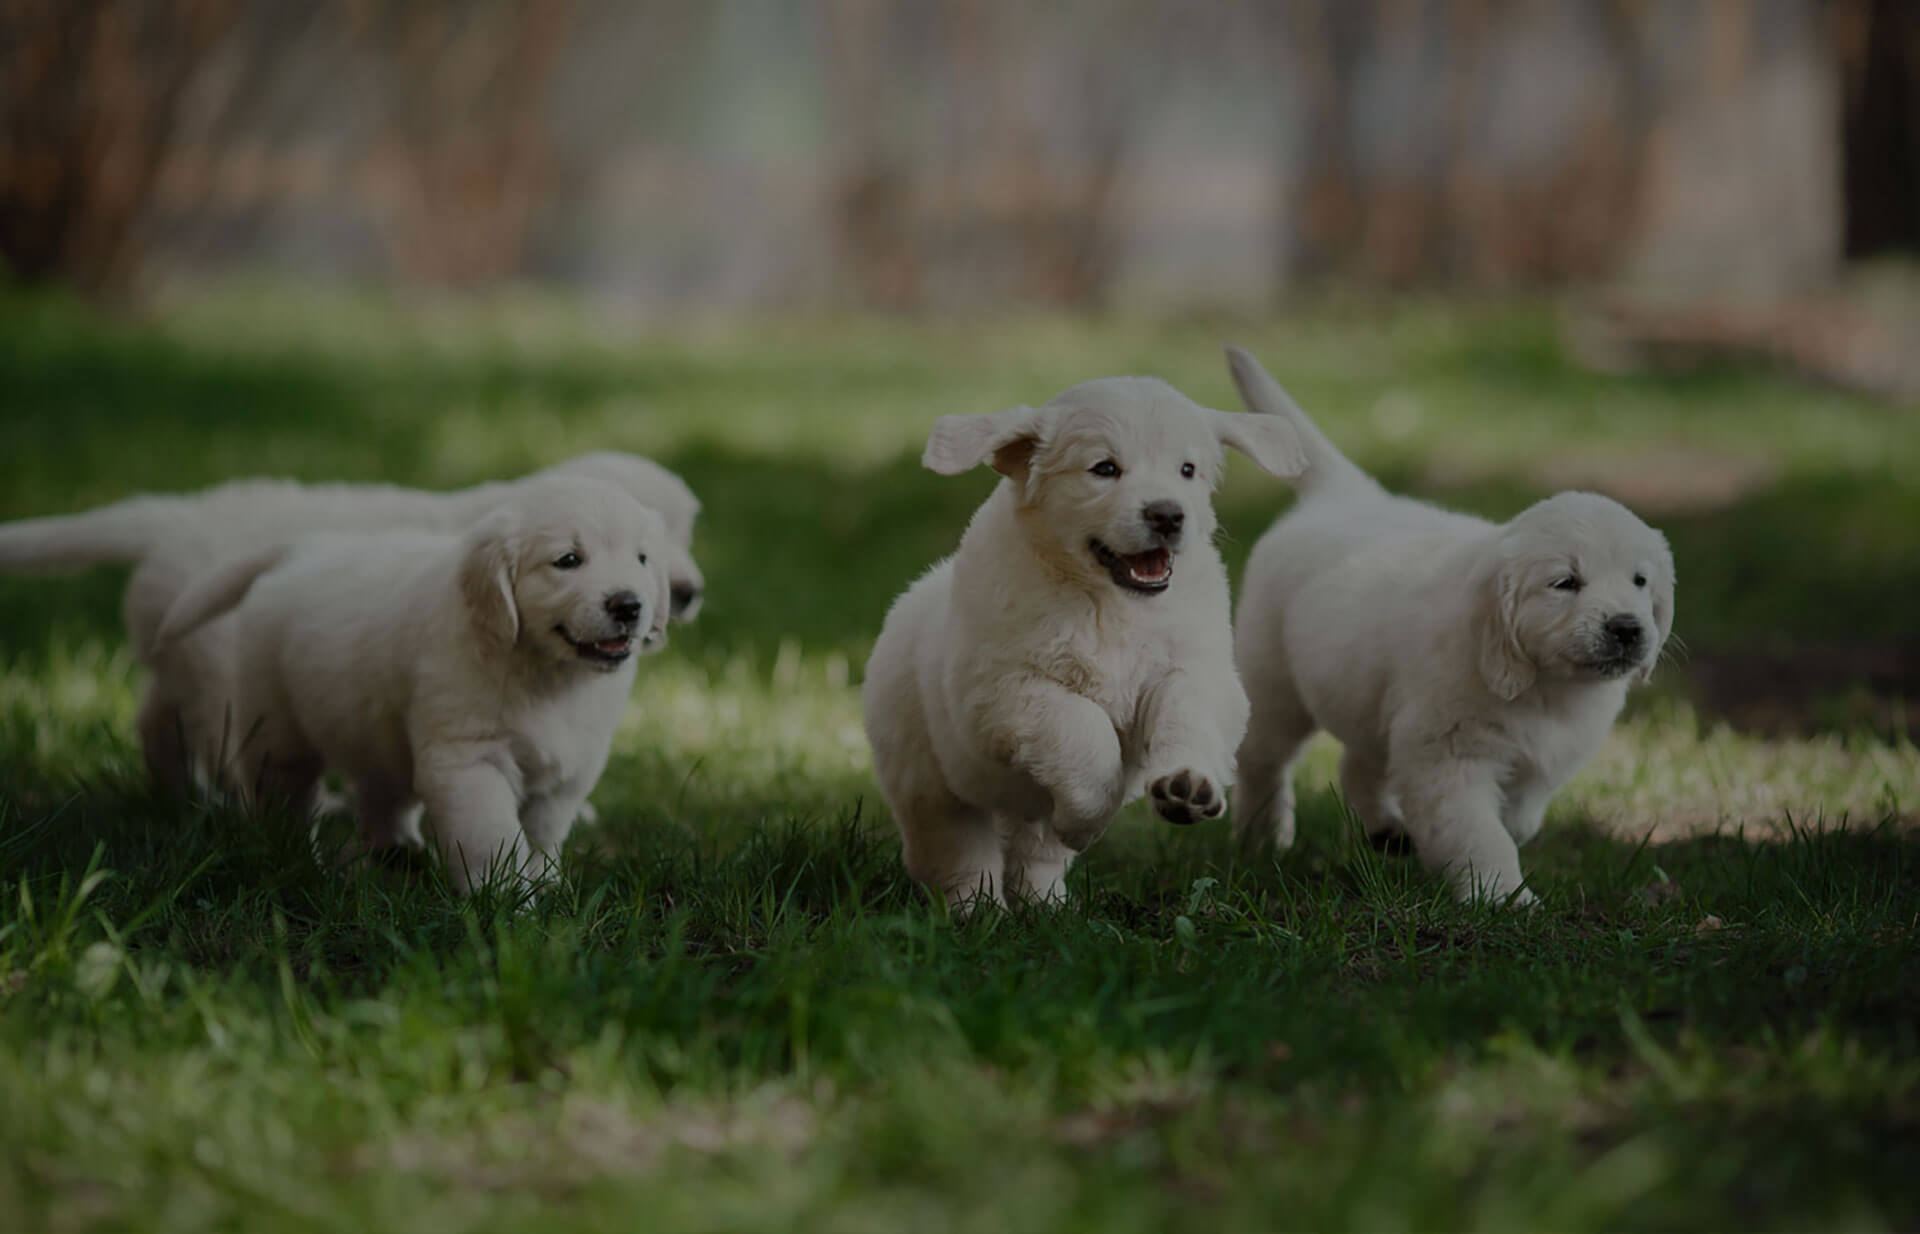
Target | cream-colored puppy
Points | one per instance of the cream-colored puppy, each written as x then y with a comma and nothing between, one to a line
1075,650
1468,668
480,675
185,718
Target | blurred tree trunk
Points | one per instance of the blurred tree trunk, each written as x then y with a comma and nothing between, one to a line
1878,42
464,161
91,98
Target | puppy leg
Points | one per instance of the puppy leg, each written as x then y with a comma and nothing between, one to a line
1526,809
1452,811
1363,782
1277,733
547,821
1036,861
476,820
1192,723
162,727
947,844
1069,747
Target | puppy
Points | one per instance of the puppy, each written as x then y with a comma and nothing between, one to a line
1075,650
1469,669
480,675
185,718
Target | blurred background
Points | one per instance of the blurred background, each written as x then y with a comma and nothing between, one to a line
1660,248
961,154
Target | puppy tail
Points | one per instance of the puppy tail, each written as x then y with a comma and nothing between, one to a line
214,594
1327,469
119,534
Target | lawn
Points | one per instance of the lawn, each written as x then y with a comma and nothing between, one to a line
734,1011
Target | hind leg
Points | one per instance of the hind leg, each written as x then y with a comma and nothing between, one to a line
1036,861
1363,778
1276,735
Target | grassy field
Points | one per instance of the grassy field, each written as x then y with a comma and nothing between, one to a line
734,1012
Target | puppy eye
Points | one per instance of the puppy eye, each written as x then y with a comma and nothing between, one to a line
567,561
1570,583
1106,469
1186,471
643,559
1639,580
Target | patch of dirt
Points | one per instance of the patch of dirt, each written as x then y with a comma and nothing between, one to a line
1869,686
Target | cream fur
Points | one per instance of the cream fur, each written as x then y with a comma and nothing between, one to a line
1464,685
455,672
185,716
1019,694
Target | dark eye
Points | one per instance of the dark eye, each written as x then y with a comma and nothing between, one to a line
1639,580
1186,471
643,559
567,561
1106,469
1570,583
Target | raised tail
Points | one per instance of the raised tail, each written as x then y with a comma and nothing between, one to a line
214,594
119,534
1327,470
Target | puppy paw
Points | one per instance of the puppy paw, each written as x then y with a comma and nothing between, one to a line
1187,797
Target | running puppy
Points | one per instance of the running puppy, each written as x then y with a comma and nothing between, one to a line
1075,651
481,675
1469,669
186,714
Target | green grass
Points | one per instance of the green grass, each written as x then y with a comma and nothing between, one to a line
735,1012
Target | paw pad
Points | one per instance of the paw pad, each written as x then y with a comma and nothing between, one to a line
1186,797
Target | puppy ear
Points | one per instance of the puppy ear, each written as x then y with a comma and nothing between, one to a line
486,578
1270,441
1663,583
662,608
961,443
1504,664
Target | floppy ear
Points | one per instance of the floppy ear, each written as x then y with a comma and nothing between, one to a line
656,636
1270,441
1504,664
486,578
1663,587
961,443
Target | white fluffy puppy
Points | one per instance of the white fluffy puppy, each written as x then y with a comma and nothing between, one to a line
185,717
1468,668
481,675
1075,650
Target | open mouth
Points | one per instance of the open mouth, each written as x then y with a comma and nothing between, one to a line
599,651
1147,572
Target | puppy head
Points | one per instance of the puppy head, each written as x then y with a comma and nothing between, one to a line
573,571
660,490
1582,590
1113,478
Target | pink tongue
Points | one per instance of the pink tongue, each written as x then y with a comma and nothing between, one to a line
612,646
1149,567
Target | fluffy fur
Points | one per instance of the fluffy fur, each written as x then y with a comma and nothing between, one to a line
1468,668
1075,651
479,675
185,717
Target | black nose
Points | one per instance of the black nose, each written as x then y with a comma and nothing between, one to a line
624,607
683,596
1165,517
1624,629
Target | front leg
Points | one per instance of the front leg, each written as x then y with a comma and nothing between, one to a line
1526,808
1067,744
547,820
474,811
1452,813
1193,723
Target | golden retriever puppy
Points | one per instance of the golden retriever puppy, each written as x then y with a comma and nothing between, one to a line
185,714
1468,668
481,675
1075,651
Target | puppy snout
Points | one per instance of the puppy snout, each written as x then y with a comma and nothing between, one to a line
1165,518
1625,630
684,595
624,607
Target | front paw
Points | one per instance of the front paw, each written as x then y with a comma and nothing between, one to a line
1187,797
